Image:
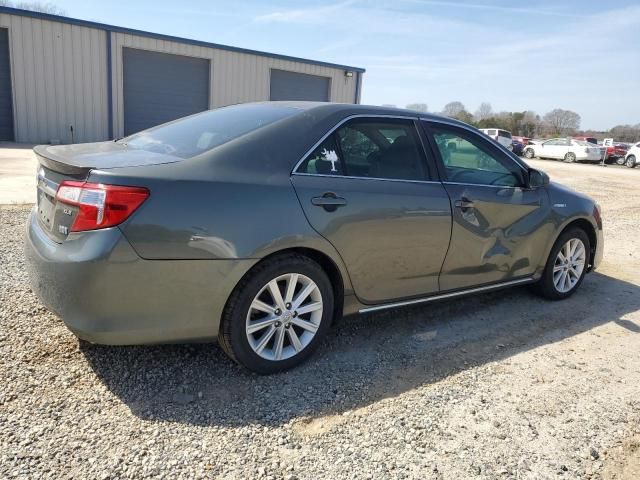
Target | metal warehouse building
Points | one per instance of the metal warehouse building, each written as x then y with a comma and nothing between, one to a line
64,79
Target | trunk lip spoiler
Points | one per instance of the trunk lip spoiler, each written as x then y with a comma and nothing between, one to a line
45,159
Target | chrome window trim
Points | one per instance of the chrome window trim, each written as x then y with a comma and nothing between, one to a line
484,185
442,296
349,177
475,131
338,125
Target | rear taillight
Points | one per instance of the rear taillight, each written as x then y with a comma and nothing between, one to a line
100,205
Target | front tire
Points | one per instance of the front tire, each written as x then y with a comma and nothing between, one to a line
630,162
566,266
278,314
570,157
529,153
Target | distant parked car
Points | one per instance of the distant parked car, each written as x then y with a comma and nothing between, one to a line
517,147
632,158
618,152
523,140
587,139
567,149
503,137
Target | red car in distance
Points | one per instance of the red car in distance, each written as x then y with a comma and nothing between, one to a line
615,151
523,140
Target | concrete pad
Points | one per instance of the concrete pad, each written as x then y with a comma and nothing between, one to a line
17,173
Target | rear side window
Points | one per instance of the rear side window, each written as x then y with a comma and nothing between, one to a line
387,149
370,148
196,134
324,159
491,133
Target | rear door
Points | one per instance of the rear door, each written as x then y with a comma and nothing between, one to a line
498,223
368,189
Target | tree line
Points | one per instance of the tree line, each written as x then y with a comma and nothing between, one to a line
556,123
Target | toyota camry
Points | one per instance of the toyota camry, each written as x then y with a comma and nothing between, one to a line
260,224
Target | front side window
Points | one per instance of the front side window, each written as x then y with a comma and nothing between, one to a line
375,148
503,133
468,159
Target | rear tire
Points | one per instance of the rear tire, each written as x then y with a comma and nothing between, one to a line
570,157
529,153
630,161
620,161
267,334
565,271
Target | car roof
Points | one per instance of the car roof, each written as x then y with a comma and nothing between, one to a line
275,148
330,108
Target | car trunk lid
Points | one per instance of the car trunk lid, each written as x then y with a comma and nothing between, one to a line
75,162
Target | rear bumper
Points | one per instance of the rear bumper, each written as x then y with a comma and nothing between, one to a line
589,158
105,293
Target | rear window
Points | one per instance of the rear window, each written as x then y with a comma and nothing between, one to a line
196,134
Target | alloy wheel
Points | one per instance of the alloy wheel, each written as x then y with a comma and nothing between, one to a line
284,316
631,161
569,265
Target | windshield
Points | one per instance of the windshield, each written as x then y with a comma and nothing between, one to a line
193,135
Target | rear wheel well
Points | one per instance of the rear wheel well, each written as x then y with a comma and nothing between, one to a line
589,229
326,263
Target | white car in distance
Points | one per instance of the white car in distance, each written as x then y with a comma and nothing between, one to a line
632,158
567,149
503,137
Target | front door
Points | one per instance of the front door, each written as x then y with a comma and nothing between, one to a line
498,223
368,189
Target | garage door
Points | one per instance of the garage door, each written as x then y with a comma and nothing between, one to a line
6,106
159,87
298,86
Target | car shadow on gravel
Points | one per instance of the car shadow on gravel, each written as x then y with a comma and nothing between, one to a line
364,359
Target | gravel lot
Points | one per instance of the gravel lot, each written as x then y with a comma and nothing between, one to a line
501,385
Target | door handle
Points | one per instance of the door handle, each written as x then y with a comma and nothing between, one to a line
329,201
464,204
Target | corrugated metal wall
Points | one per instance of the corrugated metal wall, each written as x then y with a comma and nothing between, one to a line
235,77
59,78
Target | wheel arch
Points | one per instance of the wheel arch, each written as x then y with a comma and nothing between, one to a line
586,226
329,265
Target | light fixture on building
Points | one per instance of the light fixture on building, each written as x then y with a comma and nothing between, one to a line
347,73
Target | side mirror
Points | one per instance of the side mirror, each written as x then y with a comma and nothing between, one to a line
537,178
